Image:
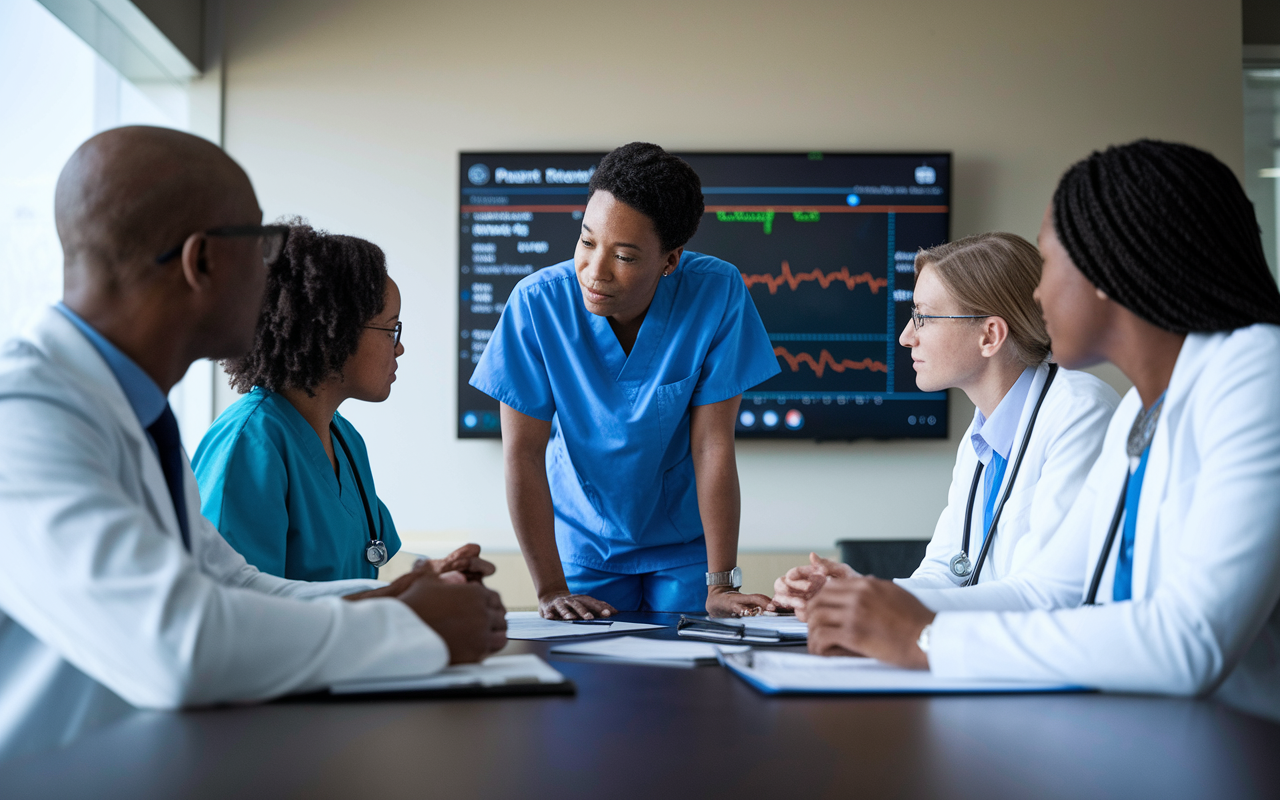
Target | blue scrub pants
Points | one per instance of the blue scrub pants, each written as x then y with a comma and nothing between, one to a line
682,589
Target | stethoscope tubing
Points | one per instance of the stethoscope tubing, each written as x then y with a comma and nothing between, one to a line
364,498
1008,489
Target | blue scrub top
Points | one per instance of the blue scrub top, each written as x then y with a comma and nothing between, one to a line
267,485
619,462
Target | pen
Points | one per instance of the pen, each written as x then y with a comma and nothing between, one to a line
591,622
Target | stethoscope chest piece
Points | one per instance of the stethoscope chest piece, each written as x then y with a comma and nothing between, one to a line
376,552
960,564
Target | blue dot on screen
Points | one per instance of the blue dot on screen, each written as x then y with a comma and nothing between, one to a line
853,199
470,420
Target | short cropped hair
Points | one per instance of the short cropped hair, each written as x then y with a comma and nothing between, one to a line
995,274
321,291
657,184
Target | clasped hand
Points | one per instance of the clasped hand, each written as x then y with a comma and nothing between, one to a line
461,566
447,594
800,585
869,617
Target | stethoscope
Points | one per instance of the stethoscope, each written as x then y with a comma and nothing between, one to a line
961,566
376,550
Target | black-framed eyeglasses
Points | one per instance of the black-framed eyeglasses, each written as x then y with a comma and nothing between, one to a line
396,330
918,319
273,238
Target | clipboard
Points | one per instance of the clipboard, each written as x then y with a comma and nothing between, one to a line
737,631
497,676
778,673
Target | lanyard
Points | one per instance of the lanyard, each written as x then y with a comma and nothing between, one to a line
1129,512
376,551
960,565
1138,446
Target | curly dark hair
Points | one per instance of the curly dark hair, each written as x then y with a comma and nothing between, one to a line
320,292
657,184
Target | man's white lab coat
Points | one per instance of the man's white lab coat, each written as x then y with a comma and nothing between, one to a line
101,606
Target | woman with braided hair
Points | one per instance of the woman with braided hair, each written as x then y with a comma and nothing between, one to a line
1165,576
283,476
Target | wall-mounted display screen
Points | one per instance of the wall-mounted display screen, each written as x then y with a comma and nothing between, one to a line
825,242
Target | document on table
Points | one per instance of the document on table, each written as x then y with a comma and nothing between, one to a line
661,652
800,673
529,625
764,629
497,675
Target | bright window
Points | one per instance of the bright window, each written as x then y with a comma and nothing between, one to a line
1262,155
55,92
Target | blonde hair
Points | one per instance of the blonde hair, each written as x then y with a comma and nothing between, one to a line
995,274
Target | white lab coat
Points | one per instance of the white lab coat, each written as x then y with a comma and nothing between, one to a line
1206,564
101,606
1064,444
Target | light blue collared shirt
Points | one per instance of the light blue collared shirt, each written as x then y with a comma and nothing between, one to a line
145,397
998,432
993,441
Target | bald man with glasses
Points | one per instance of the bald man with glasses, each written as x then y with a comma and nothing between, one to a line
114,591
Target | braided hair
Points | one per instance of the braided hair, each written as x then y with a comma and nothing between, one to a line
1167,232
320,292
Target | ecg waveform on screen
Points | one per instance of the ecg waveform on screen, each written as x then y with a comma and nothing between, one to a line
826,361
824,279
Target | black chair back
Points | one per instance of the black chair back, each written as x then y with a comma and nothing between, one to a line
884,558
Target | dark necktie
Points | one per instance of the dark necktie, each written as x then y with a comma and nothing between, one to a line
169,444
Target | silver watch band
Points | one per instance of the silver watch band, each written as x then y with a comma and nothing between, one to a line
732,578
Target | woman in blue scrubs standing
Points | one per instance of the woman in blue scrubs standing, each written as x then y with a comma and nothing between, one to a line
620,374
283,476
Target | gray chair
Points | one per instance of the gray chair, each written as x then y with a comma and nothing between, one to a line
884,558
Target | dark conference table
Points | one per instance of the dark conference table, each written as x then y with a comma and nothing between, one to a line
641,731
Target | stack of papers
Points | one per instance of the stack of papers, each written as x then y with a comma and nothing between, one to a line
660,652
499,675
751,630
799,673
529,625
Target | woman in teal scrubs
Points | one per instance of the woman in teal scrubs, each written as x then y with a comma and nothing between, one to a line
639,352
283,476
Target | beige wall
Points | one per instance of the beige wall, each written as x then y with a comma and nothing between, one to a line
352,114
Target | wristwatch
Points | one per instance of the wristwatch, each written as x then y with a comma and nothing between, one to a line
732,578
923,641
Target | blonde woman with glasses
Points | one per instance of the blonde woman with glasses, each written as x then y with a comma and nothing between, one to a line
1036,431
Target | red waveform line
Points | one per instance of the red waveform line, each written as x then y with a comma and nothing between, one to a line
824,360
824,279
